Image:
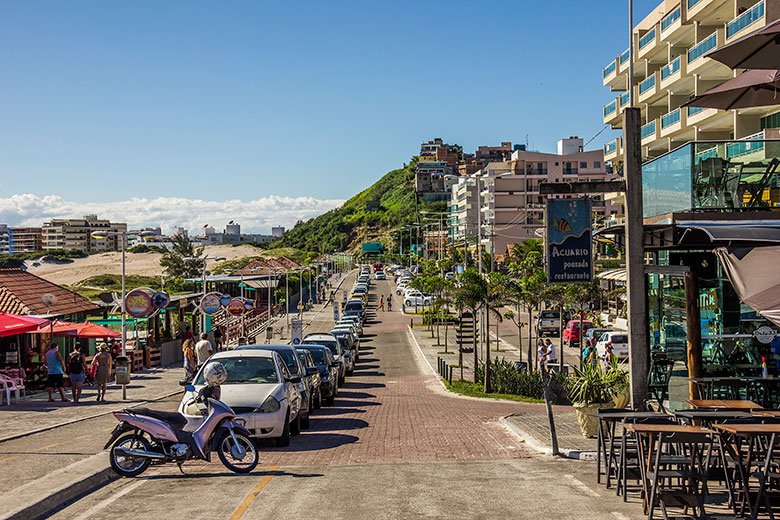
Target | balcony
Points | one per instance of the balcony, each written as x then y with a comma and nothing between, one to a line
623,61
649,47
672,122
672,73
698,115
648,132
613,149
699,50
610,111
671,23
648,88
713,176
749,18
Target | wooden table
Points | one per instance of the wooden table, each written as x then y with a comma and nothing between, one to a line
767,413
706,385
723,404
729,439
646,437
708,417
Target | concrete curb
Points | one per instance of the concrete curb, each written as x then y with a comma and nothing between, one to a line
533,443
73,486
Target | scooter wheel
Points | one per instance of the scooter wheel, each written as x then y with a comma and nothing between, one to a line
126,466
228,452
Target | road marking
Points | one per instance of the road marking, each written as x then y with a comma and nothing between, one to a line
581,486
244,505
110,500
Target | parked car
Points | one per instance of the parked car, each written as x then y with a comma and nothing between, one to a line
330,341
355,308
618,340
416,298
290,357
259,389
548,322
380,275
592,336
328,369
571,334
354,319
349,347
449,276
313,376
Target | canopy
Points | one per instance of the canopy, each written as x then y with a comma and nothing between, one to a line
78,330
758,50
715,233
753,273
618,274
754,88
13,324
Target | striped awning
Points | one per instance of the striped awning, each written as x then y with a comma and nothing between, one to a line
261,284
613,274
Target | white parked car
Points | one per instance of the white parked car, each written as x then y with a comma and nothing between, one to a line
415,298
259,389
380,275
618,340
354,320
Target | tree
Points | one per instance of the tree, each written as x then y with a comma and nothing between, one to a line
174,262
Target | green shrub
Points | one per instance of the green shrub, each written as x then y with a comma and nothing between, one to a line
506,379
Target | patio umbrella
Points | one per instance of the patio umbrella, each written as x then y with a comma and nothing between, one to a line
752,273
12,324
92,330
757,50
56,328
754,88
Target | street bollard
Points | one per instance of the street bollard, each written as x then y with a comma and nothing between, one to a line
449,378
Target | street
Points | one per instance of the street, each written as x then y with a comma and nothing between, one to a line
394,445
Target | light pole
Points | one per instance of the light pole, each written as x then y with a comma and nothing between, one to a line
204,259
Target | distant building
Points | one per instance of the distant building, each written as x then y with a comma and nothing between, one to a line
277,231
26,239
570,146
462,215
77,234
500,153
5,239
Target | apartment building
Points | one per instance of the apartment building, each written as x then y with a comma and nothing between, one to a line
5,239
77,234
26,239
463,211
670,67
512,209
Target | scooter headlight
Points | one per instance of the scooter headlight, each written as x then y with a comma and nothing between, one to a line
270,405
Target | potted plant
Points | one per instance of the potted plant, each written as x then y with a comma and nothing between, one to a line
590,391
617,381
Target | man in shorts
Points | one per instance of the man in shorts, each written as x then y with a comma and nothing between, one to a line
55,370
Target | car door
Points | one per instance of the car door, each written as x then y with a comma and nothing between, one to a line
293,394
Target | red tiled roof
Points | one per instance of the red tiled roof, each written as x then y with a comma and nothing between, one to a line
268,266
20,293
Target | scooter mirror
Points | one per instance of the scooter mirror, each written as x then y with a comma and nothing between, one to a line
189,388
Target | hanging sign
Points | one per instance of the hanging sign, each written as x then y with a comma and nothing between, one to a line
249,305
138,303
236,307
160,300
569,246
225,299
210,303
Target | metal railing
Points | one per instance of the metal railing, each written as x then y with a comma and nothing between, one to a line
670,68
648,129
647,38
703,47
746,19
670,118
647,84
670,18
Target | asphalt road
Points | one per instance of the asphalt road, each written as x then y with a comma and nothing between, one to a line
394,445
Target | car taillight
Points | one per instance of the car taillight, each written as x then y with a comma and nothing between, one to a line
609,343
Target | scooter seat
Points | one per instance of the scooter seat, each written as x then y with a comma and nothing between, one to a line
174,419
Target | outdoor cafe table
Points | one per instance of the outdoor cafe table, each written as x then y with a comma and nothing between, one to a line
729,438
771,414
646,435
706,385
707,417
612,418
723,404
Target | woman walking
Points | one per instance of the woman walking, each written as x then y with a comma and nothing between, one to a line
77,372
102,362
382,303
55,371
190,360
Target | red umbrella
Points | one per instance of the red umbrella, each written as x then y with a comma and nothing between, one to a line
754,88
757,50
57,328
12,324
92,330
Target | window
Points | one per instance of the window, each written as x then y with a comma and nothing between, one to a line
556,163
583,165
770,121
597,164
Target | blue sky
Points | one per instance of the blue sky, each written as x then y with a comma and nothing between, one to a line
243,100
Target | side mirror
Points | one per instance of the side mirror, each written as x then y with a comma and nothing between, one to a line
294,380
311,371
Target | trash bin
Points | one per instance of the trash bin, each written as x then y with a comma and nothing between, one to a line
122,370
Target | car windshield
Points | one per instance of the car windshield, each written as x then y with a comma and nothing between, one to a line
354,306
549,314
318,356
288,356
332,345
619,338
256,370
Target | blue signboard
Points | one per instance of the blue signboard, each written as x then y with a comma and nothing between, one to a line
568,246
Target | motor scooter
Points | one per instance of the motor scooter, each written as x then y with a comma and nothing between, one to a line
160,437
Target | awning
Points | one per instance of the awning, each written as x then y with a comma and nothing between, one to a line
753,273
261,284
613,274
729,233
13,324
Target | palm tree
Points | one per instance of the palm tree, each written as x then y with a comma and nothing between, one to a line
468,295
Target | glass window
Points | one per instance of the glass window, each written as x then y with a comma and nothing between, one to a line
597,164
583,165
666,183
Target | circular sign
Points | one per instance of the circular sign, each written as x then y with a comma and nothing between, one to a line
210,303
236,307
249,305
225,299
138,303
160,300
764,335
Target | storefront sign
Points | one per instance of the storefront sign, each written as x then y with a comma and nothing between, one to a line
236,307
210,303
764,335
138,303
249,305
569,247
296,331
225,299
160,300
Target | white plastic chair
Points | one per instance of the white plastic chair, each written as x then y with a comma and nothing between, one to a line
7,385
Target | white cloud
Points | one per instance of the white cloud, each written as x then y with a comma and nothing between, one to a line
255,216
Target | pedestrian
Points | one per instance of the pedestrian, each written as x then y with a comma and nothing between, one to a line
102,363
203,349
552,355
77,372
190,360
218,337
382,303
187,334
609,355
55,370
541,354
389,302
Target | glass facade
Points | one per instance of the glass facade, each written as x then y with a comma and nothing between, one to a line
714,176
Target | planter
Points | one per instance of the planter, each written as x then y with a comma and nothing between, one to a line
622,399
589,426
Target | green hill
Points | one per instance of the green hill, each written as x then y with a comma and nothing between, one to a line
370,215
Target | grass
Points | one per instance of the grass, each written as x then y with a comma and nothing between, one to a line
476,390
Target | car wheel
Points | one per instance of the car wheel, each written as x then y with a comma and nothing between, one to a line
329,400
284,440
408,303
305,423
295,426
318,400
